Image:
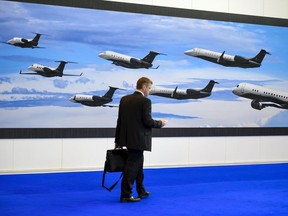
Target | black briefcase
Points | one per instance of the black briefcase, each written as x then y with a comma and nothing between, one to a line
115,162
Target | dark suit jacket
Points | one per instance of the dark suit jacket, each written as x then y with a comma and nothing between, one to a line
134,124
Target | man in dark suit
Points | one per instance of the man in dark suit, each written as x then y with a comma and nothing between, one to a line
134,130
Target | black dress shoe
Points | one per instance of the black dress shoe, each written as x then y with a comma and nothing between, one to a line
129,199
144,195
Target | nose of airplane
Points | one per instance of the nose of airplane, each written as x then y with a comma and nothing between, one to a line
72,99
102,55
30,67
235,90
10,41
190,52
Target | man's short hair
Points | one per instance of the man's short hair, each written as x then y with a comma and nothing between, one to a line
143,81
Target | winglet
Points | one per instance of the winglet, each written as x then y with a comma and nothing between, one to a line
174,92
156,67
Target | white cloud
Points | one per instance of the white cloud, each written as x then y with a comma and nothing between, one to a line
58,117
210,114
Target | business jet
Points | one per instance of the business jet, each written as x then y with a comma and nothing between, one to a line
181,94
93,100
49,71
262,97
130,62
25,43
228,60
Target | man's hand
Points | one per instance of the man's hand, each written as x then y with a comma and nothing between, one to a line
163,122
118,146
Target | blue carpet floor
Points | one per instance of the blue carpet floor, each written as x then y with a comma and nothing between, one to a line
250,190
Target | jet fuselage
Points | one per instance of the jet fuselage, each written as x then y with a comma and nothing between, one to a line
22,42
128,61
181,94
261,96
90,100
94,100
49,71
228,60
25,43
45,70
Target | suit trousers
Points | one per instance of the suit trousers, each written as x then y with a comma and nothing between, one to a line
133,172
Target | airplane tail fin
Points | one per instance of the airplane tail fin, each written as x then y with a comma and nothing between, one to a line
260,56
36,38
61,66
109,94
209,86
151,56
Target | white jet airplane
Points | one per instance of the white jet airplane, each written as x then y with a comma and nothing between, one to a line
94,100
128,61
25,43
262,97
228,60
49,71
181,94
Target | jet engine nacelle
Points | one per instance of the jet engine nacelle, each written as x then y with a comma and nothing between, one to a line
135,61
140,62
240,59
191,91
97,98
256,105
24,40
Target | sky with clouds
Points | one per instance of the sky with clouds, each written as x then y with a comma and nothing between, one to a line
79,35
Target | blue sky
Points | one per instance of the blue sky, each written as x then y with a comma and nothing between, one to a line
79,35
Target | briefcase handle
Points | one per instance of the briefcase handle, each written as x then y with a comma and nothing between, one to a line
113,186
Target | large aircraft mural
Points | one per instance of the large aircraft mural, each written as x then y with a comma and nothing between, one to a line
228,60
262,97
118,50
94,100
25,43
181,94
46,71
129,61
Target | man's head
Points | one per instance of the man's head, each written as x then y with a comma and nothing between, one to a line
144,85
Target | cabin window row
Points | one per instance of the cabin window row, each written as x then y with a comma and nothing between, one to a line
119,57
271,94
275,95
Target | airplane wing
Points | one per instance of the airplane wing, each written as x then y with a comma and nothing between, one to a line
281,106
28,73
174,93
72,74
261,104
155,67
107,105
37,47
221,59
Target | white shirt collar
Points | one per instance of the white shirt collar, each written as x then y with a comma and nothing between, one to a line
140,92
